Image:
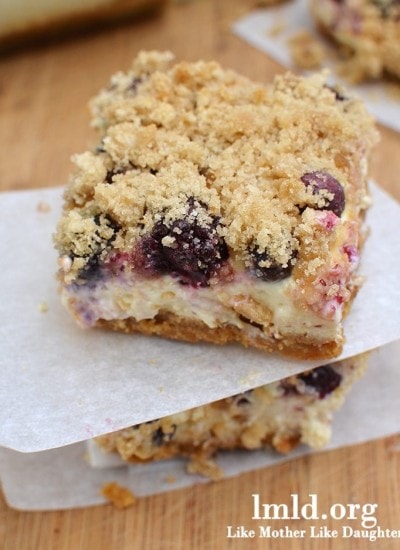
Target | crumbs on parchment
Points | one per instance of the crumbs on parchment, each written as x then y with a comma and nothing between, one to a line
43,207
119,496
43,307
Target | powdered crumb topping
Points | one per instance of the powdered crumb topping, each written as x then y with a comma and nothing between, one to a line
193,131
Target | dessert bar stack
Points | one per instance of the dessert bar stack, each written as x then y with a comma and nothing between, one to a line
221,210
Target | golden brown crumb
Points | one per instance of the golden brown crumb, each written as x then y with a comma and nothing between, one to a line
286,445
277,28
43,307
206,467
307,51
43,207
119,496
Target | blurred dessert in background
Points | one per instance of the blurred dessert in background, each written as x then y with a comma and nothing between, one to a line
367,33
26,21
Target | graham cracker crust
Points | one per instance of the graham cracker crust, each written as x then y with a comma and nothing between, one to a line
175,327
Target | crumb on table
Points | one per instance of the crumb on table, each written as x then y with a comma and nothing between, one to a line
119,496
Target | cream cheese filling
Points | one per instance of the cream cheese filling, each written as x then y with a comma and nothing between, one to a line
276,315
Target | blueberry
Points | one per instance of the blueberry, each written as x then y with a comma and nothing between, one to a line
322,181
243,399
250,322
190,250
288,388
337,94
159,437
134,84
111,173
100,148
92,272
97,219
109,222
324,380
275,271
122,170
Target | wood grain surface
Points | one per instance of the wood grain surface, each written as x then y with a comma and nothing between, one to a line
43,120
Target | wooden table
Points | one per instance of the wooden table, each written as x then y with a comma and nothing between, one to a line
43,120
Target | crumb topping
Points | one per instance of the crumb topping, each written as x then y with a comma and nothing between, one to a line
193,131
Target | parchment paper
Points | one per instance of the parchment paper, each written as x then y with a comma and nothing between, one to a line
60,384
255,28
62,478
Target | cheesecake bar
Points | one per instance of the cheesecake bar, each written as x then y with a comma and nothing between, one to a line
281,415
214,208
368,31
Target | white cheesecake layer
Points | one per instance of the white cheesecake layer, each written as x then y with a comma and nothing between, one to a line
269,304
